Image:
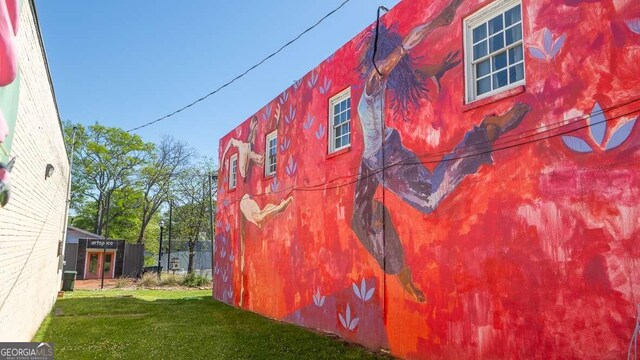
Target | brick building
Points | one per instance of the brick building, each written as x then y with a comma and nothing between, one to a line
472,193
36,167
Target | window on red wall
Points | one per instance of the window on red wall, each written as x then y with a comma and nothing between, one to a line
494,56
340,121
272,152
233,171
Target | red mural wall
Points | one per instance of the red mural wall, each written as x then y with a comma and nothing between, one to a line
505,227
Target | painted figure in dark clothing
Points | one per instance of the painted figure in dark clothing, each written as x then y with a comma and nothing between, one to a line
410,179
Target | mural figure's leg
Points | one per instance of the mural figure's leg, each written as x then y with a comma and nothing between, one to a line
411,181
382,242
252,213
243,230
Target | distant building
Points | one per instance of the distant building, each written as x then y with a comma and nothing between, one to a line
89,255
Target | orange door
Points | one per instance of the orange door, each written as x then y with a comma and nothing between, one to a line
94,265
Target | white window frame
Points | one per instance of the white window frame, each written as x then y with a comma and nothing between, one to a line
267,160
233,171
470,22
336,99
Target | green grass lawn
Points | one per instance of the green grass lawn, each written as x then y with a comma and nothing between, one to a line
162,324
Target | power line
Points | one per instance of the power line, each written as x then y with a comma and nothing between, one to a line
487,149
242,74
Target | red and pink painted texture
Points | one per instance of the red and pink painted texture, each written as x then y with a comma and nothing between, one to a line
513,231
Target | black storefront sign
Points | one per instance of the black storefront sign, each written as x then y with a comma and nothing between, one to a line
99,244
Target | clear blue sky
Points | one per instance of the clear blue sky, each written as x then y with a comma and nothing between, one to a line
123,63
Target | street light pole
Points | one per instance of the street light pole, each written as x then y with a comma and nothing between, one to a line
170,226
160,249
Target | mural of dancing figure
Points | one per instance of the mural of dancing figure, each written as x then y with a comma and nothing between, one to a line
250,209
409,179
246,154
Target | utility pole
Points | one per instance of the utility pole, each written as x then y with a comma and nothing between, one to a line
104,247
170,226
160,249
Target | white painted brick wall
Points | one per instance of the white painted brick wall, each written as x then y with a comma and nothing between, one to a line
32,223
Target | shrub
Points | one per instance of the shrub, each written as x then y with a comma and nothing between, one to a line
194,280
170,280
122,282
149,280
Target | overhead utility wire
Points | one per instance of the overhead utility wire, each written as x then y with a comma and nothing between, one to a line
321,187
515,137
242,74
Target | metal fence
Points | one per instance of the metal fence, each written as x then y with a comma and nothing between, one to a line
201,261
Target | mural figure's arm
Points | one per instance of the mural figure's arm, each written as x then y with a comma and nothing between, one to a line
230,144
415,37
436,71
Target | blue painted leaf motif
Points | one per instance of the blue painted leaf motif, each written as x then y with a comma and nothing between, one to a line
320,132
557,45
326,86
348,314
342,321
219,223
223,253
284,97
537,53
231,257
548,40
356,290
309,122
322,298
291,168
227,227
576,144
363,289
621,135
634,25
597,124
292,114
226,203
313,80
267,113
354,323
285,145
274,185
369,294
297,83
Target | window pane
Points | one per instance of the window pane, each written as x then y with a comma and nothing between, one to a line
483,68
480,33
495,24
343,106
516,73
337,143
483,85
349,102
347,127
479,50
499,61
515,54
349,114
512,16
500,79
496,42
513,34
338,131
336,108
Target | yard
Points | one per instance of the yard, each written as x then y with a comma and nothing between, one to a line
176,324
